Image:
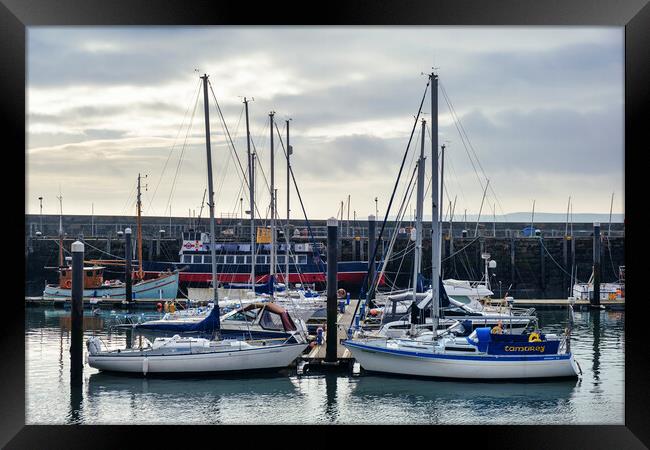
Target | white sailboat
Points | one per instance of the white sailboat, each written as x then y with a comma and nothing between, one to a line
486,353
196,355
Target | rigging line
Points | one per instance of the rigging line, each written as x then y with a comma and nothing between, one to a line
302,205
462,139
471,147
390,203
400,217
180,158
128,200
541,241
223,121
611,261
171,150
100,250
462,249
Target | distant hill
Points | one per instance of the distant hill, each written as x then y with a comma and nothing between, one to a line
561,217
541,217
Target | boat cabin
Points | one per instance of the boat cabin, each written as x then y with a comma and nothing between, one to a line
93,277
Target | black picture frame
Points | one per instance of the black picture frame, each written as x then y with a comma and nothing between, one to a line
16,15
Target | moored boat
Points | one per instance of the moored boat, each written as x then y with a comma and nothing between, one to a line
487,353
164,287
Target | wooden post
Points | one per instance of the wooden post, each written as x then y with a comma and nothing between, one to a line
127,265
77,314
332,286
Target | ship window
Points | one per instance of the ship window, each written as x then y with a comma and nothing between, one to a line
197,259
220,259
302,259
230,259
187,258
207,259
281,259
260,259
240,259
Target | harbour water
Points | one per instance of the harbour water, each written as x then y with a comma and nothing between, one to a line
288,398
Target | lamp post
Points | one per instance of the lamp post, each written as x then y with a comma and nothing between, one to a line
376,210
40,199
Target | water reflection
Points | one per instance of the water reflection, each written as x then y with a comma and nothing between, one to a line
283,397
76,400
331,409
433,401
220,399
594,317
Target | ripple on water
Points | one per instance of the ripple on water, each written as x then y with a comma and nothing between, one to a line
598,345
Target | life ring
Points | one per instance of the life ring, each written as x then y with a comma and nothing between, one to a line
67,284
341,293
534,337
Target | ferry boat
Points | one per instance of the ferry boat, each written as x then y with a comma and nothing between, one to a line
306,264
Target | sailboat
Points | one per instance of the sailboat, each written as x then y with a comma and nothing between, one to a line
192,354
487,353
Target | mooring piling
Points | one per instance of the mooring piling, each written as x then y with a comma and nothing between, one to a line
77,314
332,286
595,299
127,265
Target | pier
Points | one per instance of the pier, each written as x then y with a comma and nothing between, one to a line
316,356
538,266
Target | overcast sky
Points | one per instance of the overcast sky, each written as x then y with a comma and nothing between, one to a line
542,108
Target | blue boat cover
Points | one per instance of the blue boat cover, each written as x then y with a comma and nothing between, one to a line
208,325
513,344
260,288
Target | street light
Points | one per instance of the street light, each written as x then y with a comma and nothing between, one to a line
376,210
40,199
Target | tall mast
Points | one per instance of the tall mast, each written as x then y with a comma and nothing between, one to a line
419,206
532,221
286,233
566,226
272,189
442,180
609,228
139,231
251,192
213,238
60,197
435,229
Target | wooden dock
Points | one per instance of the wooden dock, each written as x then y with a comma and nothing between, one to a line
550,303
103,303
343,355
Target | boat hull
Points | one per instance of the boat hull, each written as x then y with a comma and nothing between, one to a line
165,287
230,360
377,359
348,271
